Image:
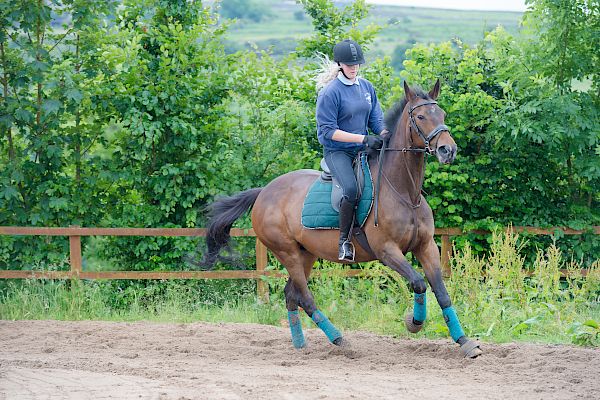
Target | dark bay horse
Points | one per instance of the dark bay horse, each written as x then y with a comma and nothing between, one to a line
404,220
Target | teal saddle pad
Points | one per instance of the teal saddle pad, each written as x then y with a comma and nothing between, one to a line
317,212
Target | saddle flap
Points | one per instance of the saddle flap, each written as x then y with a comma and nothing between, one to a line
336,190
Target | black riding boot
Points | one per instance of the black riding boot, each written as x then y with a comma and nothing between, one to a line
346,252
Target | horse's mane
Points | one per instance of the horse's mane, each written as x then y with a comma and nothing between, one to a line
393,114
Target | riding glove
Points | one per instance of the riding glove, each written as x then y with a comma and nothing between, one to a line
373,142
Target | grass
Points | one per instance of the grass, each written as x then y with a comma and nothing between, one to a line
495,297
161,301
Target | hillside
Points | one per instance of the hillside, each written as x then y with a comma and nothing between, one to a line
403,26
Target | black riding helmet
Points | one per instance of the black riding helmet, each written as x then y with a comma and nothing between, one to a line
348,52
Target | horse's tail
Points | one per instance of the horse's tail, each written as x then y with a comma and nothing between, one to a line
223,213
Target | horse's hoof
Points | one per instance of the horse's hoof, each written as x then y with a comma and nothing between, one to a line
339,341
410,325
299,346
471,349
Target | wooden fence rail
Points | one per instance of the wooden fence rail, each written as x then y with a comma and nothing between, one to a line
75,258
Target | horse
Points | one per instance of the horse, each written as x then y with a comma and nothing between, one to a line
400,222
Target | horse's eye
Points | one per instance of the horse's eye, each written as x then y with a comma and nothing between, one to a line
420,117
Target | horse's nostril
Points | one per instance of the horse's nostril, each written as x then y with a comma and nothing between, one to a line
444,149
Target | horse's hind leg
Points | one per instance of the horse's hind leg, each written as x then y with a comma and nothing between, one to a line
429,257
292,299
299,264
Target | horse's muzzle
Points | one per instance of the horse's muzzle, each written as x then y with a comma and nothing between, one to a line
446,154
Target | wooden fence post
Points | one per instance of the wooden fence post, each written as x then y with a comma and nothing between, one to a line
75,254
262,288
446,253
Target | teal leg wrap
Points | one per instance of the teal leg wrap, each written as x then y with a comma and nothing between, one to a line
296,328
453,324
420,308
326,326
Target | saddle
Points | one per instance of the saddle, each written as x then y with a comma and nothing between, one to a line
336,189
321,205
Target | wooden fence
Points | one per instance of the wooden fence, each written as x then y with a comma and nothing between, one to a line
75,258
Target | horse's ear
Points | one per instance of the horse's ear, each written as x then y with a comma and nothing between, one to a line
410,95
435,92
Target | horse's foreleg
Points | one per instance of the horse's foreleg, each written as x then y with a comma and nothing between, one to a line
429,257
395,259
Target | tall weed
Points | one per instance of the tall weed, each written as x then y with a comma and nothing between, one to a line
510,301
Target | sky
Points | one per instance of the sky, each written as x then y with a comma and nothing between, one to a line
496,5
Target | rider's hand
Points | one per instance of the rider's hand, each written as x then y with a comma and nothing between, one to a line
373,142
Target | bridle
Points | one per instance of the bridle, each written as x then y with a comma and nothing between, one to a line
427,150
426,138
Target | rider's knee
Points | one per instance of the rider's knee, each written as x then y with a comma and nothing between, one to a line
351,194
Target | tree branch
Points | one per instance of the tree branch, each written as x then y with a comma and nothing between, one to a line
11,149
60,40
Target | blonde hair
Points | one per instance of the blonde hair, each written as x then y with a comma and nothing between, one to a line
328,71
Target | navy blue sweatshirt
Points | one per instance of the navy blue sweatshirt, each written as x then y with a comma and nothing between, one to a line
351,108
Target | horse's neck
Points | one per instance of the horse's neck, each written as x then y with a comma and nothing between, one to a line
404,169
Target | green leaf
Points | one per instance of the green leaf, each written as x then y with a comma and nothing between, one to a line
74,94
592,324
39,66
24,115
35,218
58,203
520,328
51,106
10,192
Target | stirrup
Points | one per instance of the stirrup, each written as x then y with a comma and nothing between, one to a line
346,251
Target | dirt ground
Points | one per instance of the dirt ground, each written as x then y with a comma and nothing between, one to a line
142,360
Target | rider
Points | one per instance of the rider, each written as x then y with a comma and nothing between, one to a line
346,106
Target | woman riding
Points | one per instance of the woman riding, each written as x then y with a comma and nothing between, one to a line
346,106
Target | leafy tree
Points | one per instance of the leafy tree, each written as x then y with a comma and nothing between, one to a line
399,54
48,119
528,142
167,155
271,120
245,9
333,24
299,15
542,106
136,116
567,33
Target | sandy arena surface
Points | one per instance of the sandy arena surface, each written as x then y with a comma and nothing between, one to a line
142,360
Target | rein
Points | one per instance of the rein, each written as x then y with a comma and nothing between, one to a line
427,150
380,173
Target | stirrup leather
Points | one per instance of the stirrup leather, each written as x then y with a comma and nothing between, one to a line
346,251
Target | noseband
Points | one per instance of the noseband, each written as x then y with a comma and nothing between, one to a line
426,138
